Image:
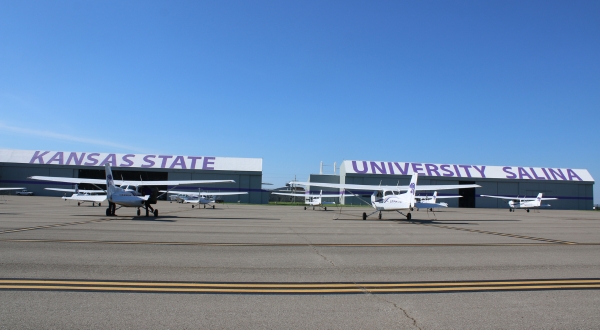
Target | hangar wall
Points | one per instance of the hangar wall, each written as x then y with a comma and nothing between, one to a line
572,187
17,165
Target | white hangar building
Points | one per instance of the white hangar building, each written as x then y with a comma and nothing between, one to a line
17,165
572,187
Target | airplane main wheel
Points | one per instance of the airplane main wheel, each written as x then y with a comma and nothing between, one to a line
204,206
408,216
364,215
379,215
138,212
155,213
313,208
99,204
305,208
527,210
78,203
192,206
213,206
325,209
108,211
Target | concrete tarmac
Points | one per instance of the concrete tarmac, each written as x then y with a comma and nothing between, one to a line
44,238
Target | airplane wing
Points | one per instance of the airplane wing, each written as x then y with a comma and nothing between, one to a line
88,198
310,195
382,187
192,193
451,196
127,182
83,191
12,188
429,205
548,198
510,198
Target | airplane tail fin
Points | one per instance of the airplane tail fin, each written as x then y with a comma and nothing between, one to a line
412,189
110,182
434,196
538,199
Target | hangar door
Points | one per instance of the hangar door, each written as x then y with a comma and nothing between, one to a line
468,195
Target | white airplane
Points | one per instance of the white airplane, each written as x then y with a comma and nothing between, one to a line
524,203
125,197
390,198
203,197
83,195
313,200
431,202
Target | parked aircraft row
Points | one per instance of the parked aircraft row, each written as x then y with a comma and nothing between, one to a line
401,199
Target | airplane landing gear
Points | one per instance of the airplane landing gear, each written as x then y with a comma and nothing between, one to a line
192,205
213,206
305,208
408,216
379,215
138,212
527,210
364,215
325,209
204,205
155,213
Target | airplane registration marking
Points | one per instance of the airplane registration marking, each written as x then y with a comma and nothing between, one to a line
295,288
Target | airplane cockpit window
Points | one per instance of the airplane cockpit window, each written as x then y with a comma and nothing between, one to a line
387,193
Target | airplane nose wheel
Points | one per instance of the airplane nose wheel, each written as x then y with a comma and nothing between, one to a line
138,212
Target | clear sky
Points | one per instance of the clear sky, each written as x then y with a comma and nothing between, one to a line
513,83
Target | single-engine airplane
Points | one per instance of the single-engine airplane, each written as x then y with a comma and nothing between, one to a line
83,195
389,198
524,203
203,196
125,197
311,199
430,203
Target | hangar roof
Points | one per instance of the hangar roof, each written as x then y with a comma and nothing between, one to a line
465,171
154,161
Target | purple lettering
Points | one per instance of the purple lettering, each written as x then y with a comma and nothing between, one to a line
73,156
432,168
208,161
466,167
416,167
92,160
572,175
194,159
523,173
364,170
546,173
403,171
554,173
58,157
381,169
457,171
507,170
164,162
179,161
447,172
535,175
391,167
111,159
125,158
150,162
480,170
39,157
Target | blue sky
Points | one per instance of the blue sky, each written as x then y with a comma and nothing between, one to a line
298,82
